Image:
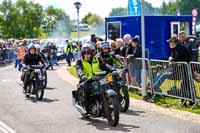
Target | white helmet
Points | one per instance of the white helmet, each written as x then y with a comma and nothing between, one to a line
37,46
88,45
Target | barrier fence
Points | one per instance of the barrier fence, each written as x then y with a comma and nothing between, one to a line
195,75
135,66
173,79
7,55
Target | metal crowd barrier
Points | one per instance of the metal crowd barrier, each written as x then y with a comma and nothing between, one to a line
195,75
134,70
172,79
7,56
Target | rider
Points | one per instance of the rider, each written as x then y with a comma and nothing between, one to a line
31,58
37,46
86,68
107,57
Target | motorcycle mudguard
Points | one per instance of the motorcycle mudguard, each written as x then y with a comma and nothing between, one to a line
74,94
111,93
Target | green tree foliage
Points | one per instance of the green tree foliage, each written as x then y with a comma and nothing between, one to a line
92,19
8,14
185,7
56,21
148,8
28,19
119,11
169,8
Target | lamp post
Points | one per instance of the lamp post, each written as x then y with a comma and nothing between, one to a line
144,72
78,6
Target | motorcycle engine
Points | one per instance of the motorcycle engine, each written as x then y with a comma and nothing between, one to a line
96,109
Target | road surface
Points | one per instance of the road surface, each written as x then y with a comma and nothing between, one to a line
55,114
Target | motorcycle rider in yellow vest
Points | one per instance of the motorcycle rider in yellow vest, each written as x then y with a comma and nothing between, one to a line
86,68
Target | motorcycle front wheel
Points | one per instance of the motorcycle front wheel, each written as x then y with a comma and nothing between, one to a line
39,91
112,110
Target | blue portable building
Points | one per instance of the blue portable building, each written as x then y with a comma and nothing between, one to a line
157,30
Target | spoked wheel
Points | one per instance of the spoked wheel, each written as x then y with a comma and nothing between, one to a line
112,111
45,80
39,91
123,100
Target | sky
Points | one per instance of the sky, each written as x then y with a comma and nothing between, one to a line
100,7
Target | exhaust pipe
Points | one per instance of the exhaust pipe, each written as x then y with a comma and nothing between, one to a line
78,107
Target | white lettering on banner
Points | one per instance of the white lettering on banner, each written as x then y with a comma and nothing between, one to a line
135,6
136,11
135,2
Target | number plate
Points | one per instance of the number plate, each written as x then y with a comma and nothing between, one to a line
110,78
37,70
103,82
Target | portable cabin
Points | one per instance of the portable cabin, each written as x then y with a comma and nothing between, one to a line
158,29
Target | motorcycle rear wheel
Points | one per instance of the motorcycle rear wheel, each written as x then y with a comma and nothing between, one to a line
124,100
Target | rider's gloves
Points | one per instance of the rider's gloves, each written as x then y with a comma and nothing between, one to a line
113,69
125,69
84,78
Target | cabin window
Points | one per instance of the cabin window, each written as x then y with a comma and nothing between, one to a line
113,30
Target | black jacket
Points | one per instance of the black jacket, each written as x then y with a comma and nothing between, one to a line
181,53
137,51
33,59
129,50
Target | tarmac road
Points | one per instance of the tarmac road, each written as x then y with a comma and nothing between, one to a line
55,114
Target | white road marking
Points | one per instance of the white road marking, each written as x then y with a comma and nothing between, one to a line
5,80
5,68
5,129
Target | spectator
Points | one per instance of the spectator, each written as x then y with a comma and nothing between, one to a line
135,74
127,42
178,53
68,52
137,50
20,55
120,47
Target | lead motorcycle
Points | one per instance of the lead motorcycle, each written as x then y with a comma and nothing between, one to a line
103,99
37,81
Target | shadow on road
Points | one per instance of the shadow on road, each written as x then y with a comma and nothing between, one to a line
45,100
50,88
103,125
134,113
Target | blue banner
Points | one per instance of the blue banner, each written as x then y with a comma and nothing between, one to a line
134,7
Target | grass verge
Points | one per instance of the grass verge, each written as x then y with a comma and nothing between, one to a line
72,71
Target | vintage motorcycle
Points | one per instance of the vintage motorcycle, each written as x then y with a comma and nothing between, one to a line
37,81
103,99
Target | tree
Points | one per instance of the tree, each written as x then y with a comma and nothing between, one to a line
92,19
119,11
169,8
27,19
148,8
56,22
8,15
31,15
